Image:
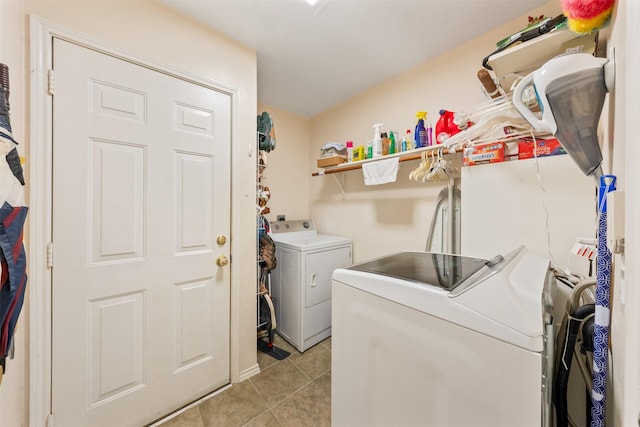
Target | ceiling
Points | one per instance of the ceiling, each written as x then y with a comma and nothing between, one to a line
311,58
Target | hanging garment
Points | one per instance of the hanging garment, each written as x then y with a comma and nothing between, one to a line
12,157
13,280
381,171
602,310
11,176
268,252
266,132
5,127
13,212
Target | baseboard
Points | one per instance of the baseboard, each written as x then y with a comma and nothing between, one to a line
248,373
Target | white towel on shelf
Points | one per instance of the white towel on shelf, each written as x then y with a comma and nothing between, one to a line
380,171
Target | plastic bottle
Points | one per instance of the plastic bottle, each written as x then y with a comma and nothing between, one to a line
386,143
392,142
429,133
377,140
369,150
421,131
445,127
406,142
349,151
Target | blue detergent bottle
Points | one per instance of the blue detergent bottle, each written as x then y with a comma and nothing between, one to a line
421,132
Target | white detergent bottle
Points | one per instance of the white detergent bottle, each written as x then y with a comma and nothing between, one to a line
377,140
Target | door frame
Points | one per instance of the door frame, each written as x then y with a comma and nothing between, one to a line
42,33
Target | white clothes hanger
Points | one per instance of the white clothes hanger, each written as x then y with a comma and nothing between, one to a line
433,166
423,167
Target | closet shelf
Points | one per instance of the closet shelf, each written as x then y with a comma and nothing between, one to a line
415,154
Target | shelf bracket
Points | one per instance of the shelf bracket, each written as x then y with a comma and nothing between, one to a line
340,184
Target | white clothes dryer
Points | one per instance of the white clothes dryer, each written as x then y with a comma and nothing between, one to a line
301,281
424,339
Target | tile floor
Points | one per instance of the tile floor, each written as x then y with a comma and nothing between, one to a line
295,391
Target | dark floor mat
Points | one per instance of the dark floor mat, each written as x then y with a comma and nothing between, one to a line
272,351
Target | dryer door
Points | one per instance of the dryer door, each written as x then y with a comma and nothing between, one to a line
319,267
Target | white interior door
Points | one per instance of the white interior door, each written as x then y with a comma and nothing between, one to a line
141,171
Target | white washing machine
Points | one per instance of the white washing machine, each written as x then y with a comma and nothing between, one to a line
301,281
424,339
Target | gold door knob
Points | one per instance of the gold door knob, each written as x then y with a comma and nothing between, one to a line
222,261
221,240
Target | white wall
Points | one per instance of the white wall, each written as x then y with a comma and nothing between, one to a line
630,387
286,174
529,203
623,154
13,391
394,217
153,31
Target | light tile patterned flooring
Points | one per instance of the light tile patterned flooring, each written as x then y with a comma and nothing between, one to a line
295,391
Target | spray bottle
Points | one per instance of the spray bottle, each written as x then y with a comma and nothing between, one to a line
377,140
406,142
421,131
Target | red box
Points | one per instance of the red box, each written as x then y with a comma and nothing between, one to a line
543,148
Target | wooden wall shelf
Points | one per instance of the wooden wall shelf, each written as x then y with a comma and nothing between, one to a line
403,157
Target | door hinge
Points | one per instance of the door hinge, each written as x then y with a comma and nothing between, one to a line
51,82
49,422
50,255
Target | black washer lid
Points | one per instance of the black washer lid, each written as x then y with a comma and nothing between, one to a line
439,270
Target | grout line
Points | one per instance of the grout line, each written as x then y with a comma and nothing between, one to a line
277,418
276,403
261,414
192,405
259,394
289,395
